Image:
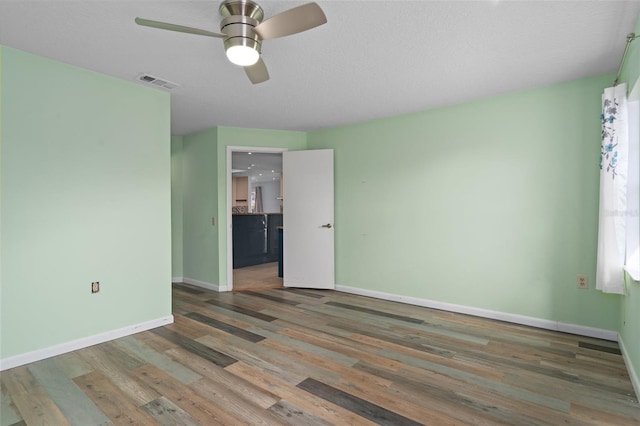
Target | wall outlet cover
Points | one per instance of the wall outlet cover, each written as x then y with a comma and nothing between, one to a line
95,286
583,282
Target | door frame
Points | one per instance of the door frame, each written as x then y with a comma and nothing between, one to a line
231,149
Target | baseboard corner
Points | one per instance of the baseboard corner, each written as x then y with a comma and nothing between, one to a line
633,374
202,284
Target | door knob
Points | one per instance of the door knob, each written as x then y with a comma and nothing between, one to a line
328,225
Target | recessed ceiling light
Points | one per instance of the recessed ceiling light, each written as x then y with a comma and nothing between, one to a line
273,171
250,153
260,174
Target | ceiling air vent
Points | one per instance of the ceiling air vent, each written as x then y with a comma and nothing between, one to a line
157,82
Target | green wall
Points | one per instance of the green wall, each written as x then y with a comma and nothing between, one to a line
630,310
200,204
1,50
85,197
490,204
176,206
631,69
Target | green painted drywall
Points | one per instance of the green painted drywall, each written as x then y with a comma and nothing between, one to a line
631,69
1,49
630,310
232,136
176,206
85,192
490,204
630,327
200,204
1,201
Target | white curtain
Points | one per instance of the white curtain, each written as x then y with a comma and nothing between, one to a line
613,191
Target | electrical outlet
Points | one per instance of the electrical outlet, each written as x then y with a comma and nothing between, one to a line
583,282
213,221
95,287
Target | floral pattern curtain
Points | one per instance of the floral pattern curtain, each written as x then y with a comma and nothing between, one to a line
613,196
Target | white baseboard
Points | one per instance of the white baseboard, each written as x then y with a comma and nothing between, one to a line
204,284
177,279
485,313
633,374
74,345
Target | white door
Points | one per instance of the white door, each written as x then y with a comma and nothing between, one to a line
308,219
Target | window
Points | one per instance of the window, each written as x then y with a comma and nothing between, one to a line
632,263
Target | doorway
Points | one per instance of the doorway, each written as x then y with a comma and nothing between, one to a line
254,214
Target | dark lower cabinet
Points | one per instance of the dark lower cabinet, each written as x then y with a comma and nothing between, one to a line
255,239
273,222
280,253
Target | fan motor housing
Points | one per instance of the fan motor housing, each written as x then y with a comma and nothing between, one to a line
241,16
246,8
239,31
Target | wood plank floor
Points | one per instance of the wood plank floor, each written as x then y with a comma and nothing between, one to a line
305,357
257,277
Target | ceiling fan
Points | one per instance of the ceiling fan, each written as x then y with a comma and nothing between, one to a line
243,31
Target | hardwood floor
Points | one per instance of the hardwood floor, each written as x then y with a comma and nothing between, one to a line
256,277
305,357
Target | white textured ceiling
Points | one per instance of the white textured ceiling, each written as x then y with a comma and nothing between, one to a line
372,59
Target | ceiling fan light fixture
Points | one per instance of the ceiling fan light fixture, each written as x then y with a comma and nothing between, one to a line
242,45
243,31
242,55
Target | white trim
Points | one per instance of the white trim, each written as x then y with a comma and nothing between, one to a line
229,174
633,374
177,279
486,313
74,345
204,284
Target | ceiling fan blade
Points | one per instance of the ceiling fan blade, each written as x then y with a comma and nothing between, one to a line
291,21
178,28
257,72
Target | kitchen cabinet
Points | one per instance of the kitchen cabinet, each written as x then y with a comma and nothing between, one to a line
255,238
280,252
240,191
